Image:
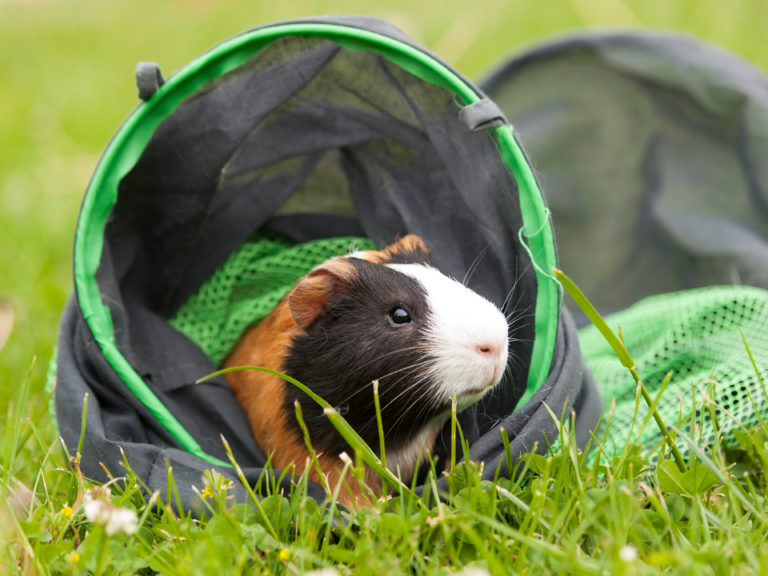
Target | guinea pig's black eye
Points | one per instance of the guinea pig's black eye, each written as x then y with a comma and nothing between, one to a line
399,316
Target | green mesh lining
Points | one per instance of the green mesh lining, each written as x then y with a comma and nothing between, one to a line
696,335
249,284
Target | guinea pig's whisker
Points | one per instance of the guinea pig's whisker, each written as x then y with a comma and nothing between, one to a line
514,284
516,311
366,386
418,388
392,353
514,320
514,339
416,365
508,298
416,383
508,371
514,357
424,406
476,262
511,307
513,291
421,380
392,429
412,368
379,357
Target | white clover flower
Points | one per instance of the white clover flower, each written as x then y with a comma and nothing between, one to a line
628,553
95,510
121,520
472,571
99,510
323,572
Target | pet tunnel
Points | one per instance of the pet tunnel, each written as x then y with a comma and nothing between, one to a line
271,152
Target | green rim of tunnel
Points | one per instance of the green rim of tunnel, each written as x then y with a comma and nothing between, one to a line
130,140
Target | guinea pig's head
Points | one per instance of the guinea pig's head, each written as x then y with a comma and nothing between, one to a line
390,316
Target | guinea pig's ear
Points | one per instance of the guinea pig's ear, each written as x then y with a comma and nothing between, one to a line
409,243
313,295
410,248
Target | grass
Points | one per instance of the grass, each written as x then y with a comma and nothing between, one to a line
66,84
563,512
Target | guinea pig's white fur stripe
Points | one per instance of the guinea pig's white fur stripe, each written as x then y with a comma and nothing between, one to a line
466,336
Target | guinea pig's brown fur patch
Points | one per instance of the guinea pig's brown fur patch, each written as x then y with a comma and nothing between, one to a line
262,394
259,392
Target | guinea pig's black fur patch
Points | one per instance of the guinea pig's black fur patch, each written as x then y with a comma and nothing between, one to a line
357,342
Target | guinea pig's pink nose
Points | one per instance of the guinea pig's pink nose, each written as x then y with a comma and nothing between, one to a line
488,349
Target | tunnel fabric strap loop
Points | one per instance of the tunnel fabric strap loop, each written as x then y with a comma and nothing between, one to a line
481,115
149,79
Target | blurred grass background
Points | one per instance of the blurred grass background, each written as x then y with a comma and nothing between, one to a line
66,84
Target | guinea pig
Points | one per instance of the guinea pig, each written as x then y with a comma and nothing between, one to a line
384,315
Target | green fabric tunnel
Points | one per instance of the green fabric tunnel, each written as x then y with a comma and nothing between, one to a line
273,151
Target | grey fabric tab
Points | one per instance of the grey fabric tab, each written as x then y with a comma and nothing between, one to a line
149,79
481,115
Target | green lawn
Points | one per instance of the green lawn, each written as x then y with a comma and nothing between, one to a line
66,84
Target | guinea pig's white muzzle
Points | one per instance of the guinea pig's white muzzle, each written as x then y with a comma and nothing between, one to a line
470,356
466,336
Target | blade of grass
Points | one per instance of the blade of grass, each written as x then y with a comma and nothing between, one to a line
754,364
379,423
507,450
594,316
16,417
254,499
337,421
453,433
308,443
715,469
623,355
83,418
